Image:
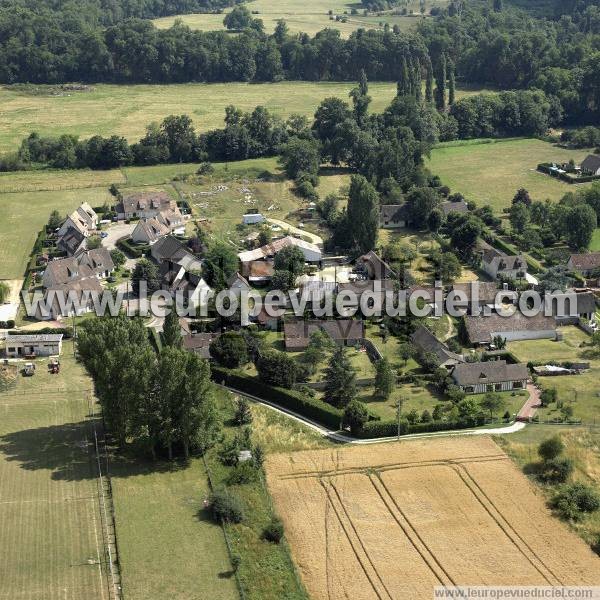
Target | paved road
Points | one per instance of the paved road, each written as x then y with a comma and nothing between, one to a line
533,403
346,439
115,233
315,239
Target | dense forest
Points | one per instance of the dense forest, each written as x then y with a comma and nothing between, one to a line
482,42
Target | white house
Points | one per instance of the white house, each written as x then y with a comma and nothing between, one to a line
84,220
148,231
393,216
33,345
497,264
253,219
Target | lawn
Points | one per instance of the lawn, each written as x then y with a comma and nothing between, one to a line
491,173
127,109
22,216
580,391
308,17
50,507
595,243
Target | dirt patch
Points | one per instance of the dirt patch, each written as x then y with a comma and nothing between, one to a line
395,520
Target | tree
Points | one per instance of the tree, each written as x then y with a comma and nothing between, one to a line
421,202
4,292
519,217
330,115
451,83
145,271
54,220
363,214
360,98
273,532
226,506
406,351
220,263
118,258
465,235
449,267
581,223
493,402
355,416
556,470
573,500
300,155
435,220
277,368
440,81
429,81
282,280
384,378
171,336
290,259
243,413
340,380
230,350
522,197
555,279
239,18
551,448
548,396
497,6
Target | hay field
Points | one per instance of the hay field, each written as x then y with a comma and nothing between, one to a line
127,109
491,173
309,16
50,519
393,521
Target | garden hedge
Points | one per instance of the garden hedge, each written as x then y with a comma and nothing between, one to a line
376,429
132,250
309,407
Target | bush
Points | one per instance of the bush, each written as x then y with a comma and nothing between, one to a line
309,407
273,532
556,470
574,500
230,350
226,506
278,369
243,414
243,473
551,448
355,416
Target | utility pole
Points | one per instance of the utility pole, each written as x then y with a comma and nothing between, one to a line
399,413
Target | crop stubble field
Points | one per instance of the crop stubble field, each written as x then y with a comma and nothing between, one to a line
394,521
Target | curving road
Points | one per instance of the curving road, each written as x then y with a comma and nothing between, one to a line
346,439
314,239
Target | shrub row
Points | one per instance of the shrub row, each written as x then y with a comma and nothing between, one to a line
545,168
309,407
376,429
132,250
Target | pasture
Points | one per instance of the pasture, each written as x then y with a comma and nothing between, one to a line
49,496
310,16
126,110
491,172
394,521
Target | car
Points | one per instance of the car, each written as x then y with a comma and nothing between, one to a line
104,235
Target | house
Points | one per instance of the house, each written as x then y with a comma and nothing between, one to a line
427,343
170,249
344,332
91,263
265,320
448,207
491,376
478,294
585,264
72,242
570,306
72,298
41,344
394,216
260,271
253,219
374,266
199,343
312,253
149,231
170,217
374,291
497,264
482,330
144,205
591,165
237,282
317,291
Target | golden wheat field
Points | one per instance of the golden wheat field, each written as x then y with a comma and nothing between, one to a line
394,521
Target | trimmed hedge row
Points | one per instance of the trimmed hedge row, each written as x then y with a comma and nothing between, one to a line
309,407
567,177
376,429
132,250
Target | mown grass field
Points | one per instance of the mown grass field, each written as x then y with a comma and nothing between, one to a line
127,109
491,173
50,520
309,17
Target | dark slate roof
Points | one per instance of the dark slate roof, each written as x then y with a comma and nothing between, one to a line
585,262
142,201
394,213
199,343
486,291
71,241
494,371
297,333
591,163
425,341
379,268
450,207
481,329
505,262
87,264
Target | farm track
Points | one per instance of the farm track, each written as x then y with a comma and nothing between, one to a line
512,534
362,556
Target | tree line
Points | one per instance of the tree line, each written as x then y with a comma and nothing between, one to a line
163,404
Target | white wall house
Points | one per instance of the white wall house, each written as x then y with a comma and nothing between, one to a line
35,344
496,264
491,376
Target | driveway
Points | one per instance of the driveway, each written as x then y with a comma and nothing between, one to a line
114,233
297,231
533,403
